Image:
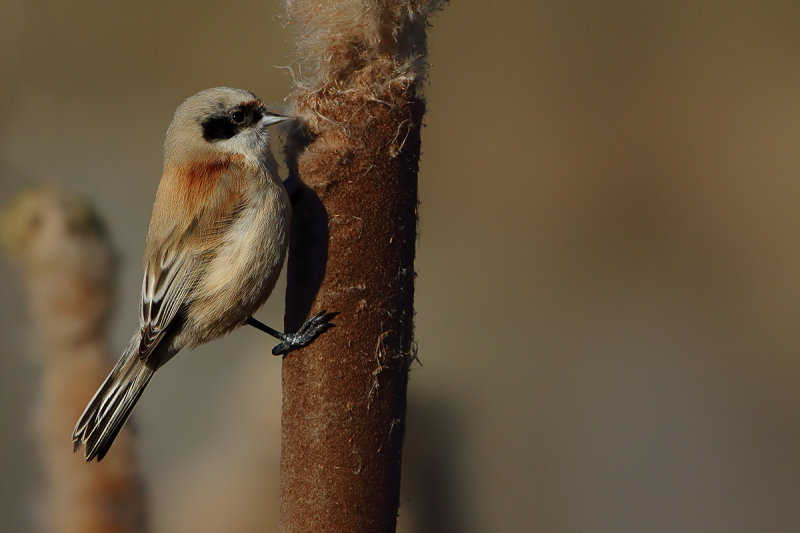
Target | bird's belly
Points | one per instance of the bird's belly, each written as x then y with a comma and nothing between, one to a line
243,273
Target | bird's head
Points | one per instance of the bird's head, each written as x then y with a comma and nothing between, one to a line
220,122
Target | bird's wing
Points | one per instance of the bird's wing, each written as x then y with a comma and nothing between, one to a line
176,259
165,289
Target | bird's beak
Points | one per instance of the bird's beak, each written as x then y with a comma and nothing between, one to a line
270,119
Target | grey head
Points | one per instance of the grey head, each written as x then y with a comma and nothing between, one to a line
222,120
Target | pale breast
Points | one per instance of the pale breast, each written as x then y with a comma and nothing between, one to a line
243,273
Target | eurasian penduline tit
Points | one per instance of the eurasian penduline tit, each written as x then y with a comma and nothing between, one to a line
217,239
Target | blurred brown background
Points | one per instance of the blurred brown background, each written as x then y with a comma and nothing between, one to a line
607,297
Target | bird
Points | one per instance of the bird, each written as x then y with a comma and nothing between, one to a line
215,246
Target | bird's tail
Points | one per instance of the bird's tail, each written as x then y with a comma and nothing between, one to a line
112,404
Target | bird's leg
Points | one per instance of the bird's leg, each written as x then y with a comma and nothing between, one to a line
303,336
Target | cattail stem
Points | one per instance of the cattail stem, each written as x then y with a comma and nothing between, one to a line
67,269
352,252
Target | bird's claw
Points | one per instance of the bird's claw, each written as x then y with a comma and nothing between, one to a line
307,333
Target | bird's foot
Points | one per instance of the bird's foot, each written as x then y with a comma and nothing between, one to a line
307,333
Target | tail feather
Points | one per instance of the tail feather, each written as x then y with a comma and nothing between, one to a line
112,404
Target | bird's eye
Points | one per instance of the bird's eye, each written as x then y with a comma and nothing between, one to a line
237,117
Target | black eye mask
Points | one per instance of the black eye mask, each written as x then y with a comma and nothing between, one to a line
222,126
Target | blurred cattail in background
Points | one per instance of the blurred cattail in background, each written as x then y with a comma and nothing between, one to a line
67,267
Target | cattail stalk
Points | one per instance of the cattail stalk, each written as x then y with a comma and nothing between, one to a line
67,270
352,252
